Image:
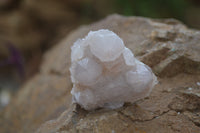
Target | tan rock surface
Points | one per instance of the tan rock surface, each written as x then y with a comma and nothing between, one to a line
167,46
30,25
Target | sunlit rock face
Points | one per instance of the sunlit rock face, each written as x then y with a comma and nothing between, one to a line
106,74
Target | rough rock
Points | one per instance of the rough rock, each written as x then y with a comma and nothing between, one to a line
32,25
167,46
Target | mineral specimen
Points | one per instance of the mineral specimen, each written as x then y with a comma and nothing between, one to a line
106,74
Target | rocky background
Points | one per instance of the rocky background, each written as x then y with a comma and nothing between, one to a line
29,28
172,50
32,27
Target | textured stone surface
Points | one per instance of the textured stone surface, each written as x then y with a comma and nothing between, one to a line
32,25
167,46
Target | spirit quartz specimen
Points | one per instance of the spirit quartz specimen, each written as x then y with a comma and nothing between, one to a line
106,74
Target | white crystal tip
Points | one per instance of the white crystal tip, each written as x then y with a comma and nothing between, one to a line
105,44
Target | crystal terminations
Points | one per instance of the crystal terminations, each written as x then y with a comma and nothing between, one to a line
106,74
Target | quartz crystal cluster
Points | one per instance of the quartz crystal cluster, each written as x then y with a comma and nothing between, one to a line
106,74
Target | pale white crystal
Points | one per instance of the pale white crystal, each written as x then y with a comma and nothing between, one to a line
106,74
86,71
77,50
102,44
129,57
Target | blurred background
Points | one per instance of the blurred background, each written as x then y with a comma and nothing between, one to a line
30,27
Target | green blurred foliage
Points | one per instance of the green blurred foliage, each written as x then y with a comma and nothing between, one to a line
153,8
185,10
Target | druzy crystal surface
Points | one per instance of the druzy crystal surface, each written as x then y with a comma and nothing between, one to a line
105,73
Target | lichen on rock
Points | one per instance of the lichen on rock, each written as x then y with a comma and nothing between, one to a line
106,74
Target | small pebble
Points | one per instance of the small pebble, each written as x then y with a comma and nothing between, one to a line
4,98
113,131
